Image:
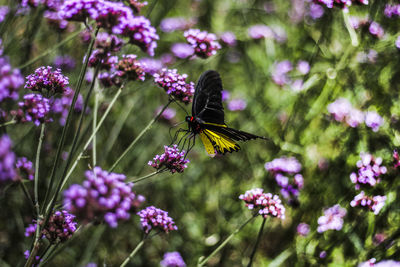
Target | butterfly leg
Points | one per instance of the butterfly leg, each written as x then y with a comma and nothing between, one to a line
187,132
193,140
176,135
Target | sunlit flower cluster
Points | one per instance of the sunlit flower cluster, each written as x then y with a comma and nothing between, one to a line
266,203
283,69
204,44
374,204
45,79
34,108
157,219
369,171
332,219
172,159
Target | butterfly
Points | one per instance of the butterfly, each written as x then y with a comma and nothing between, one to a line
207,118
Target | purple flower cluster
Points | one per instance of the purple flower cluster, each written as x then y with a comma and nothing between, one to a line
369,171
136,5
129,68
106,61
103,195
268,204
25,168
237,104
168,115
175,84
151,65
302,9
153,218
10,80
280,168
60,228
262,31
303,229
182,50
45,79
374,28
392,11
374,203
369,56
176,24
171,159
228,38
204,44
61,105
3,12
7,160
344,4
107,43
172,259
114,17
280,74
34,108
342,110
53,16
332,219
66,63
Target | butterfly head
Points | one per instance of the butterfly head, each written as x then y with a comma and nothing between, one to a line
189,119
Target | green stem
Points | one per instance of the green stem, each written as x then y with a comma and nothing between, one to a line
67,124
253,253
96,106
28,196
350,29
51,50
8,123
139,136
36,245
135,180
91,137
204,261
133,253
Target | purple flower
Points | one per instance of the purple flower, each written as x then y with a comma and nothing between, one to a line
303,67
175,84
332,219
103,196
374,203
169,59
171,159
10,79
205,44
228,38
61,105
182,50
45,79
376,30
129,68
373,120
297,85
106,43
60,228
55,21
322,254
340,109
260,31
136,5
398,42
107,61
279,74
225,95
25,168
3,12
66,63
34,108
237,104
355,117
151,65
172,259
289,165
267,203
368,172
177,23
168,115
7,160
303,229
392,11
368,263
316,11
153,218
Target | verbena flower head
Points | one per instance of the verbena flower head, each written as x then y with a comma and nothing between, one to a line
60,228
66,62
172,259
268,204
176,23
25,168
168,115
182,50
3,12
80,10
373,120
392,11
61,105
137,5
102,196
228,38
7,160
374,203
340,108
55,21
129,68
332,219
280,72
34,108
369,171
376,30
10,79
303,229
260,31
289,165
151,65
106,61
171,159
205,44
153,218
106,43
343,4
237,104
45,79
303,67
175,84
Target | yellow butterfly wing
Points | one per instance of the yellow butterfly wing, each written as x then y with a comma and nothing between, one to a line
207,144
220,142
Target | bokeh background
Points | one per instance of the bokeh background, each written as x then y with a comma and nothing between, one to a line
204,199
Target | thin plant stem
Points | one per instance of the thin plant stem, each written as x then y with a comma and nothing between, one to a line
253,253
50,50
350,29
93,134
8,123
96,106
69,117
133,253
36,245
136,180
139,136
204,261
28,196
48,252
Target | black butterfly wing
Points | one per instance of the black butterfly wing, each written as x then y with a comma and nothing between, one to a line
207,100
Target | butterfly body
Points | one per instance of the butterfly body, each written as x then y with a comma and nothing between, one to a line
207,118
